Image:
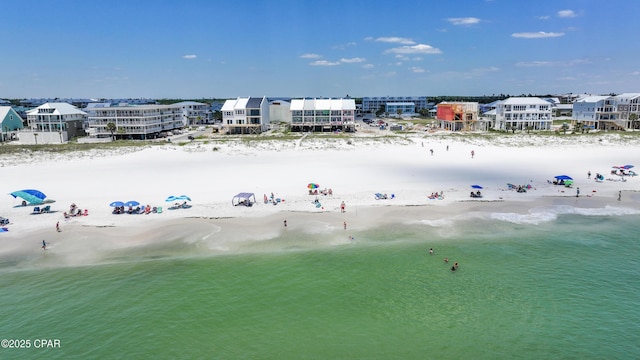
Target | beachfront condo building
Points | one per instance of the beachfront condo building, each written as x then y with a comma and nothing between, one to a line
320,115
458,116
248,115
373,104
134,121
194,113
595,112
628,110
53,123
523,113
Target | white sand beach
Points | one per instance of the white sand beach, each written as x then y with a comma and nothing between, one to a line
355,169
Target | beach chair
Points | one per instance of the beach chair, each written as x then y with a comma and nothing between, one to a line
46,209
36,210
159,210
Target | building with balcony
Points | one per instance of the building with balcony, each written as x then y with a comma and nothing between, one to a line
596,112
398,109
194,113
245,115
523,113
373,104
133,122
320,115
458,116
628,110
52,123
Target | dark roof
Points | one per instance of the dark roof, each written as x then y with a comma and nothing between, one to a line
254,103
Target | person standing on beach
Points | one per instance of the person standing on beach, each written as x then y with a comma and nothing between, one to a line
285,223
342,206
577,192
473,153
58,226
44,245
619,195
345,225
431,151
589,174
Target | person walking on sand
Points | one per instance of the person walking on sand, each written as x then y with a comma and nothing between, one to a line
342,206
473,153
44,245
577,192
431,151
619,195
589,174
58,226
345,225
285,223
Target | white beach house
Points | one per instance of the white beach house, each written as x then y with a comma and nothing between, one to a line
323,115
628,110
52,123
245,115
522,113
596,112
194,112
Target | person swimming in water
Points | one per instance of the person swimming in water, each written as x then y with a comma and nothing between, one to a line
431,251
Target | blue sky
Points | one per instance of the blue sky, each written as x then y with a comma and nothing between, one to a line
196,49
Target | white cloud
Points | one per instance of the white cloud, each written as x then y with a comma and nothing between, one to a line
533,63
310,56
464,21
415,49
353,60
567,14
397,40
368,66
324,63
635,73
536,35
545,17
189,56
416,69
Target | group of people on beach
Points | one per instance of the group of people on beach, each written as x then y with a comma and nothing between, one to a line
455,265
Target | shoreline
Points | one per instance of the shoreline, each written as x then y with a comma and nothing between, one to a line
211,174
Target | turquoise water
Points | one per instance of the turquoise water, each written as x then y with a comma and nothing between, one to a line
566,288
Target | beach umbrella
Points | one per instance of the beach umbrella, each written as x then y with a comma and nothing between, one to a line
183,197
627,167
564,177
171,198
29,195
313,186
476,186
131,203
116,204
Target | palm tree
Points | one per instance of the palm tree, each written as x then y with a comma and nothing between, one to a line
111,127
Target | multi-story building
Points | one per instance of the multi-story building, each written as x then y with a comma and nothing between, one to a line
400,108
194,112
628,110
458,116
373,104
53,123
246,115
134,122
596,112
323,115
522,113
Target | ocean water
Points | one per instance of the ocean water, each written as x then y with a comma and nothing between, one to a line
563,284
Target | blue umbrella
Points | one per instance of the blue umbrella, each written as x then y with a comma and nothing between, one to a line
171,198
564,177
116,204
131,203
183,197
476,186
29,195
